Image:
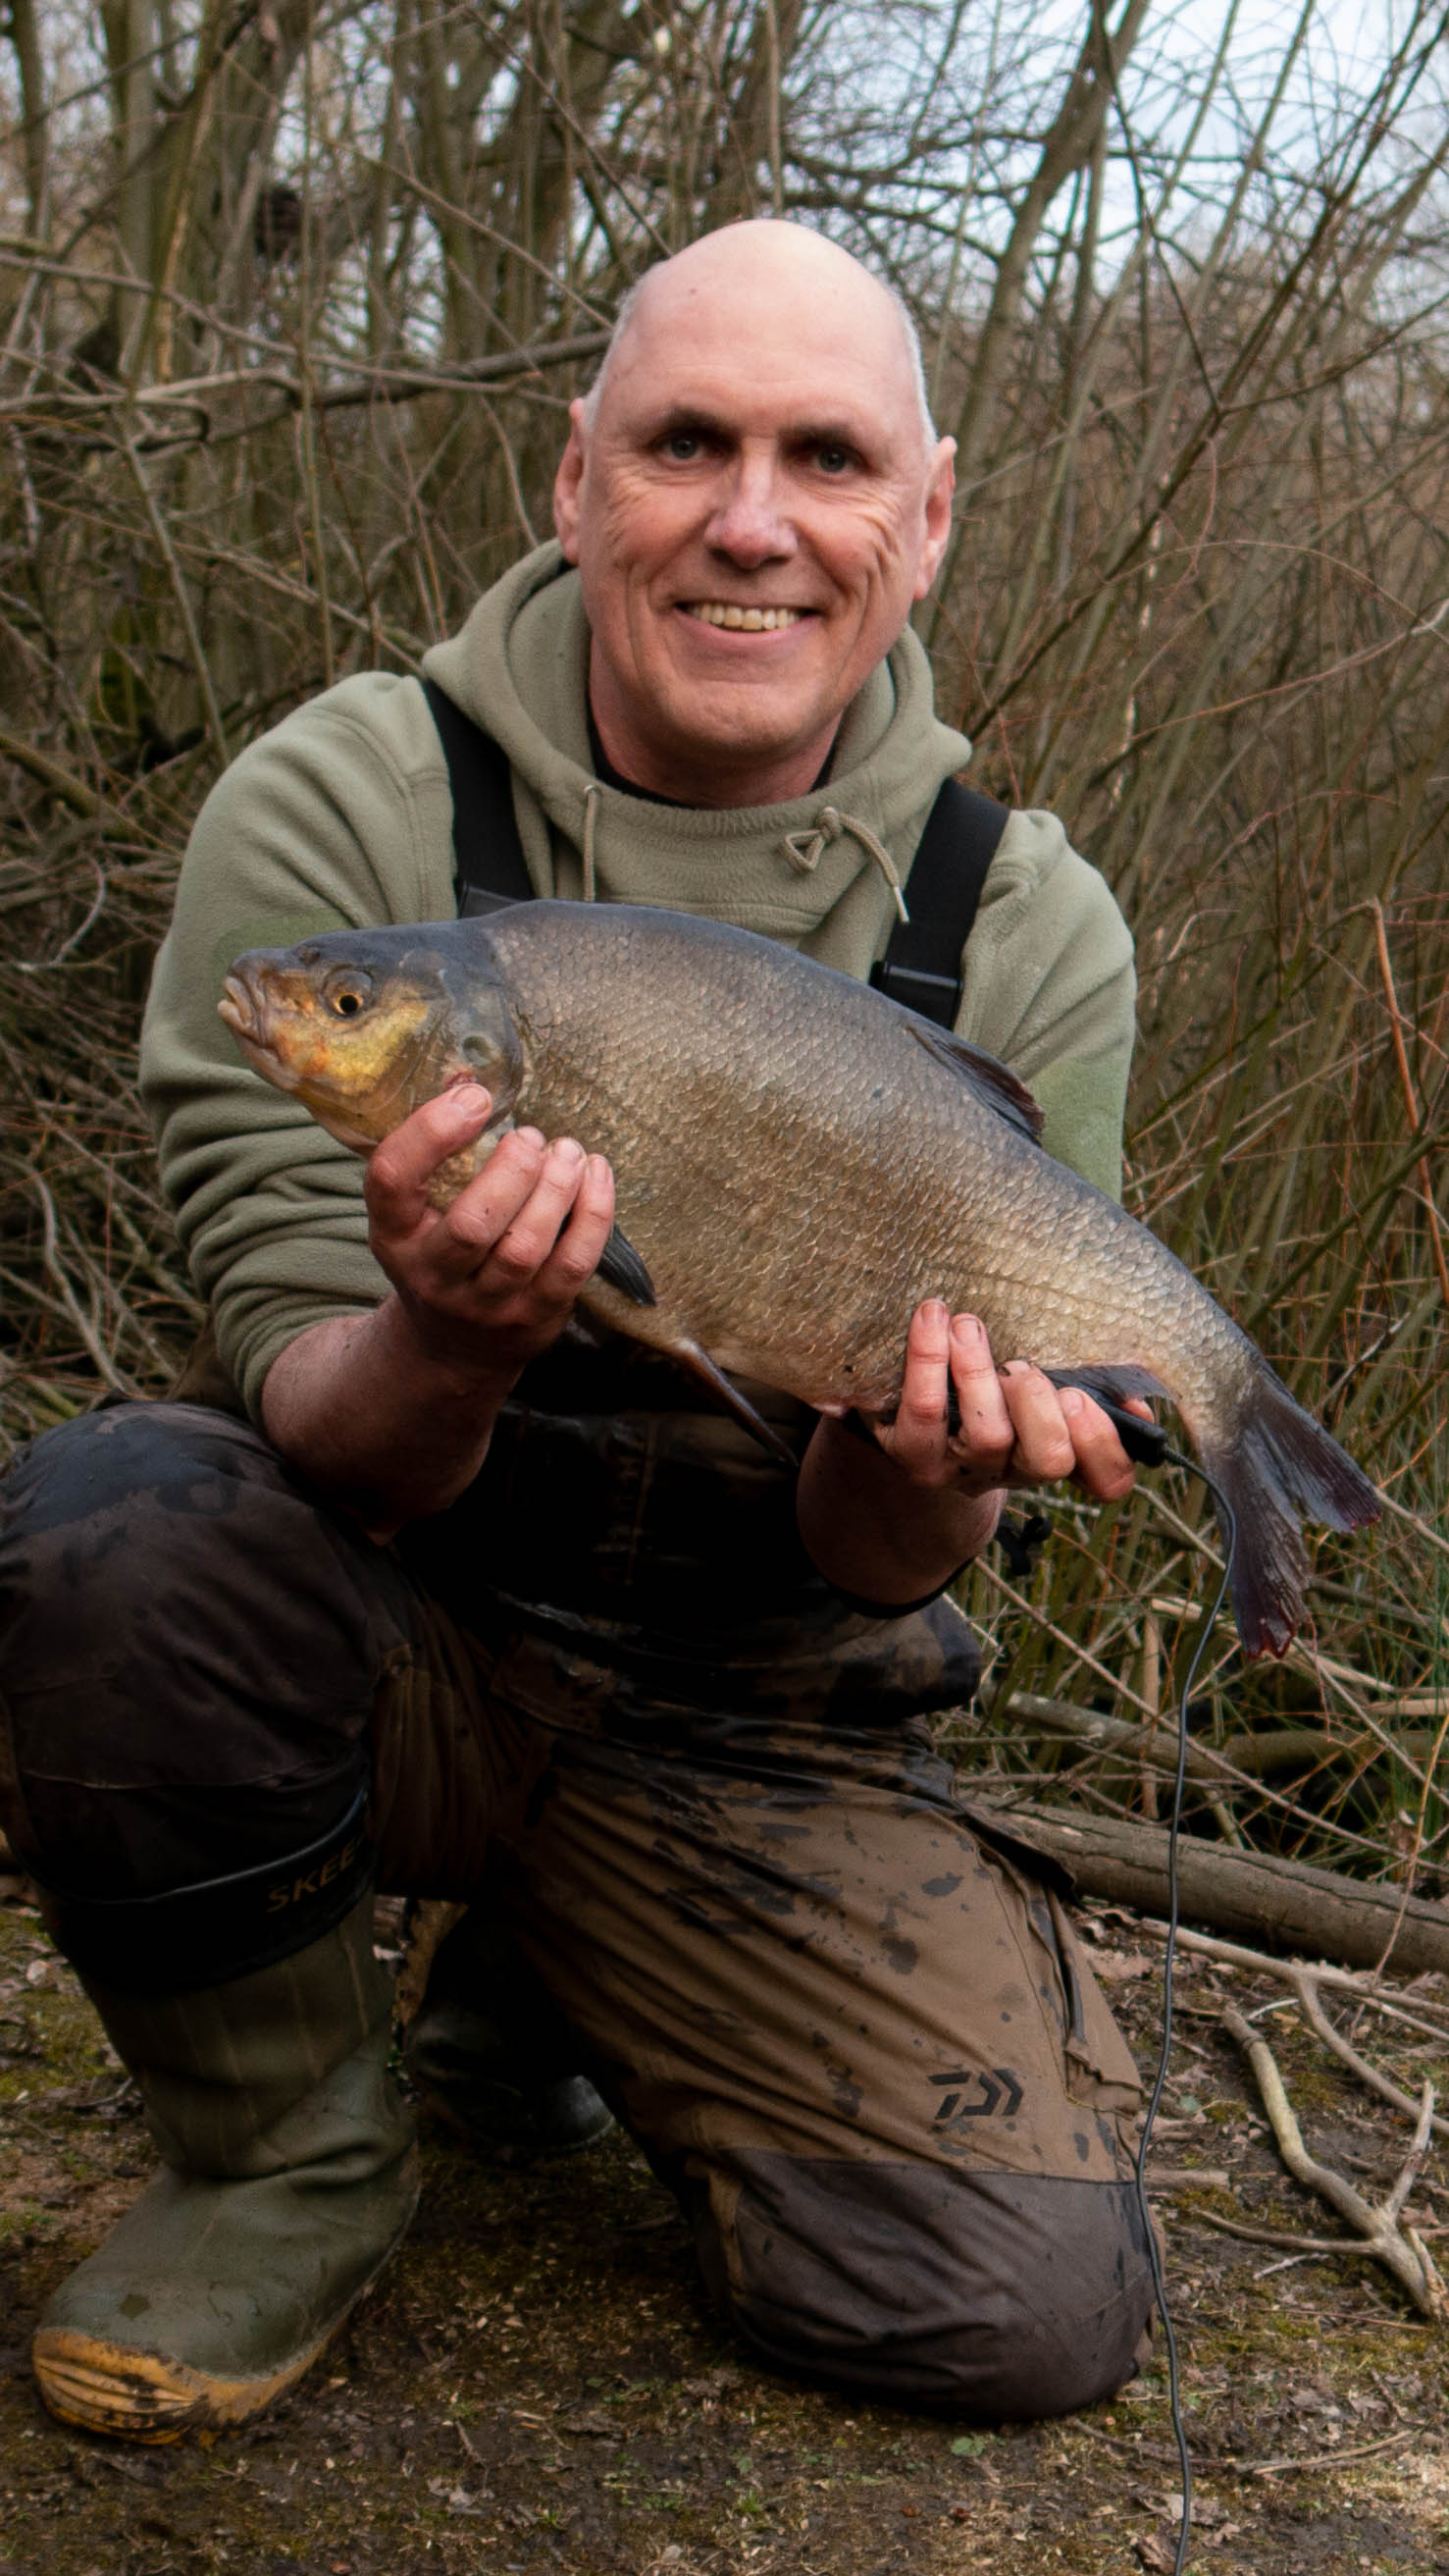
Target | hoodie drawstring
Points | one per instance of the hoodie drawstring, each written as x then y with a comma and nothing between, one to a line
593,795
803,849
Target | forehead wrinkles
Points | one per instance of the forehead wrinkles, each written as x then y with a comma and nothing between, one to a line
808,410
765,365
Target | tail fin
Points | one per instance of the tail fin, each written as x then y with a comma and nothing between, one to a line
1281,1467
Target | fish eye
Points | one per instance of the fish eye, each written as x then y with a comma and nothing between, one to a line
347,992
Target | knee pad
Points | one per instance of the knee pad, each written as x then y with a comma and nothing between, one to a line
983,2295
191,1645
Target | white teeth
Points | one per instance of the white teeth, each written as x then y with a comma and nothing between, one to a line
754,621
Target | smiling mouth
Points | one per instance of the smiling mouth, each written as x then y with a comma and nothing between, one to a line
752,621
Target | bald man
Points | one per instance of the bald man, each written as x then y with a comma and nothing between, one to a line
418,1586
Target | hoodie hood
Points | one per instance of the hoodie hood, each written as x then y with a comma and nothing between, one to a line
821,872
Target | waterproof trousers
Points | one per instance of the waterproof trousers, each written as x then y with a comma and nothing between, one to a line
845,2017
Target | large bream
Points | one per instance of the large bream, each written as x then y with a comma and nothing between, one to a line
799,1162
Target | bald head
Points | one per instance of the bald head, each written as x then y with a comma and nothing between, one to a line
785,262
754,497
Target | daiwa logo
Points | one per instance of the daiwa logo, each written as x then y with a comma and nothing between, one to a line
999,2091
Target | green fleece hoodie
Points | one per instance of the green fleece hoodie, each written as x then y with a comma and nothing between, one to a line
342,815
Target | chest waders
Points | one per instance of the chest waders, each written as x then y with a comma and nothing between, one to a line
262,2056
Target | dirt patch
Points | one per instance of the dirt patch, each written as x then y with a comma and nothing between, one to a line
536,2385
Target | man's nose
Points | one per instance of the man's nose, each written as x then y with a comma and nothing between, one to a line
751,522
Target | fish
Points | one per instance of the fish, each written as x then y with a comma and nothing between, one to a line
799,1161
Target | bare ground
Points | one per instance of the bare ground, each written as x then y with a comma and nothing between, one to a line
537,2386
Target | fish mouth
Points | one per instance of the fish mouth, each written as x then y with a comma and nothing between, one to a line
237,1008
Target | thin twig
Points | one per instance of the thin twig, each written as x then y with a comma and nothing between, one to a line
1329,2459
182,597
1360,1982
1310,2004
82,1323
1411,2264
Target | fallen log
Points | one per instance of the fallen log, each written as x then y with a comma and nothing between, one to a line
1281,1904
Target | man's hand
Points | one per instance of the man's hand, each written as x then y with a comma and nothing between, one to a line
1015,1427
892,1522
490,1281
392,1412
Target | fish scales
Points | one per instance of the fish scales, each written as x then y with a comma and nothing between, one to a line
798,1162
806,1213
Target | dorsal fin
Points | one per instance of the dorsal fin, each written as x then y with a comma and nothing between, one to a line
995,1085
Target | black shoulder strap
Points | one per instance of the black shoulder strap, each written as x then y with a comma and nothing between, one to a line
922,963
489,866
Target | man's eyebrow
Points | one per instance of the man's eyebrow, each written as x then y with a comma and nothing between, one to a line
690,418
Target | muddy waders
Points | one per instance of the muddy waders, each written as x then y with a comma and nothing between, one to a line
289,2178
493,2053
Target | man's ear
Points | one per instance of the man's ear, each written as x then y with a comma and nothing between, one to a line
568,483
937,517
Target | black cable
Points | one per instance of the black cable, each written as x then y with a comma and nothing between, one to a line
1154,2258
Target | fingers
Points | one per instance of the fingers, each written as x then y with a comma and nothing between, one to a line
556,1243
986,1434
399,1170
513,1210
945,1351
580,1247
918,1434
511,1252
1103,1468
1044,1449
1014,1426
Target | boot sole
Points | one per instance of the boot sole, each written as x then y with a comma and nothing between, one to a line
145,2397
141,2397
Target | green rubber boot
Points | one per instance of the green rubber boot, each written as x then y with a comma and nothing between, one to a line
290,2179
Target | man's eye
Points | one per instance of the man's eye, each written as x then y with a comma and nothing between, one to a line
833,459
682,446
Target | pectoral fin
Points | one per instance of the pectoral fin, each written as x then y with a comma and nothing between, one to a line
623,1268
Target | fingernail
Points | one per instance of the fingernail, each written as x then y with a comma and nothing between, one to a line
967,1328
1073,1402
531,1136
567,1152
470,1100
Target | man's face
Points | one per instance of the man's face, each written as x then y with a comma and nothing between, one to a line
752,512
